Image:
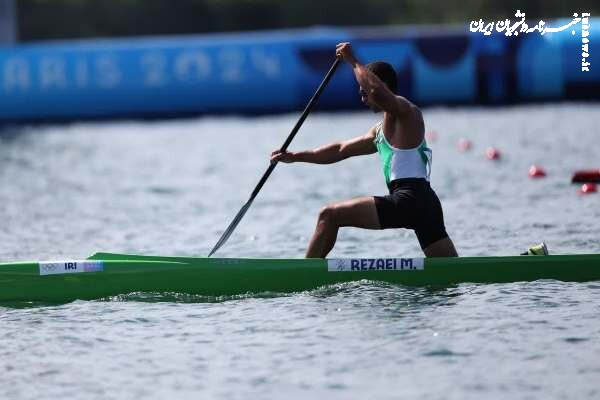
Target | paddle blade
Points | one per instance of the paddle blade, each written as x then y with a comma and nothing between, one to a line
231,227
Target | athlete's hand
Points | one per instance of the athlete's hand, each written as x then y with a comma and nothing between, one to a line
282,156
344,51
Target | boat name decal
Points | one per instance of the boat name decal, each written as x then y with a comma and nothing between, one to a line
70,267
374,264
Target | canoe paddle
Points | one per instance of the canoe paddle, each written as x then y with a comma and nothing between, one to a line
266,175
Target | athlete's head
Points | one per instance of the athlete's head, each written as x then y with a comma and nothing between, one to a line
385,72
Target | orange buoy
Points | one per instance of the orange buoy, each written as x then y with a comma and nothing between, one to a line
536,172
464,145
589,175
492,153
588,188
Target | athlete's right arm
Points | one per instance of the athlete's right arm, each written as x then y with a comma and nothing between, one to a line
331,153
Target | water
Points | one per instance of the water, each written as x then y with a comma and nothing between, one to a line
171,188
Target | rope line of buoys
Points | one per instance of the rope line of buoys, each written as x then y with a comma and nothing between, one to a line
590,178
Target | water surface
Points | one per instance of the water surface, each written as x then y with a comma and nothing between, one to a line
170,188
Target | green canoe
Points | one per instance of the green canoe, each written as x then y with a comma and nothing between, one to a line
106,274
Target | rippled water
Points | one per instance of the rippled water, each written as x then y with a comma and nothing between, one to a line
170,188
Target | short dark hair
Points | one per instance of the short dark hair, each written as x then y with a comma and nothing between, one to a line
386,73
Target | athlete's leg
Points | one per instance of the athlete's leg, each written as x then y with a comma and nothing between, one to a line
441,248
359,213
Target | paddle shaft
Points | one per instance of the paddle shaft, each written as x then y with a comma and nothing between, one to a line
296,128
269,170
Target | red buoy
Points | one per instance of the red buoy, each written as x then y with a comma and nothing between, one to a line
589,175
431,136
464,145
492,153
536,172
588,188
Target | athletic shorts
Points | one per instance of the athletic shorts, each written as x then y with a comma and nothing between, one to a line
412,204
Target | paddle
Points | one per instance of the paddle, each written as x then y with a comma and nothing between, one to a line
287,142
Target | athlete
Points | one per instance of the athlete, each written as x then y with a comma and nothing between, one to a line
400,141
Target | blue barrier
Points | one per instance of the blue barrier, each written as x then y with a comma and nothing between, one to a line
264,72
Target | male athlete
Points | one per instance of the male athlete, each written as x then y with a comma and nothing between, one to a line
406,159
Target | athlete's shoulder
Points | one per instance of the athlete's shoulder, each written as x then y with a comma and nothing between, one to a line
407,110
403,106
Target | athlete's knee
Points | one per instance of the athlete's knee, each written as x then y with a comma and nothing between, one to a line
327,215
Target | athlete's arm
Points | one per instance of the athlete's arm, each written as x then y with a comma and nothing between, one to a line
372,86
331,153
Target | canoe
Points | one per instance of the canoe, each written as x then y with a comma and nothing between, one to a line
108,274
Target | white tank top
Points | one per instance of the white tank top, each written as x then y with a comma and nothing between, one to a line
402,163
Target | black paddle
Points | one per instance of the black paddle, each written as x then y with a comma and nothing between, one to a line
287,142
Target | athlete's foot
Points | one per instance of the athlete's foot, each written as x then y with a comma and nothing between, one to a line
537,250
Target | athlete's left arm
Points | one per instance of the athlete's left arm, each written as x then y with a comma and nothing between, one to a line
376,91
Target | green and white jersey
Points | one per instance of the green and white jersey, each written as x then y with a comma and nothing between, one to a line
402,163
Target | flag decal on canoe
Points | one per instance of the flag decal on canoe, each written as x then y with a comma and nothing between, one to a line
70,267
374,264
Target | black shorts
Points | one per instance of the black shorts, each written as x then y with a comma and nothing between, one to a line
412,204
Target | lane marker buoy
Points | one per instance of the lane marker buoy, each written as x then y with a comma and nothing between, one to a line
492,153
536,172
588,188
431,136
464,145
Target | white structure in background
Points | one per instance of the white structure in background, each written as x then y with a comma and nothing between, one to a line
8,22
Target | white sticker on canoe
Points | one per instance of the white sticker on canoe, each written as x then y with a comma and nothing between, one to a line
375,264
70,267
